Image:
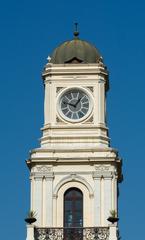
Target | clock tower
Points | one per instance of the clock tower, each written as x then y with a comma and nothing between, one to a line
74,174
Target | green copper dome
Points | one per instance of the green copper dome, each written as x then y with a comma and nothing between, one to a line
75,51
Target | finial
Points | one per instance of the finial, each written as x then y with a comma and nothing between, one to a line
49,58
76,32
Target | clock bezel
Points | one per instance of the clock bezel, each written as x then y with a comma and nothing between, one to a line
63,116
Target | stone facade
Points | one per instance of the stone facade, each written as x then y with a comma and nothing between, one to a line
74,154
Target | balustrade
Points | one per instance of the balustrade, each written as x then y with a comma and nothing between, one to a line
88,233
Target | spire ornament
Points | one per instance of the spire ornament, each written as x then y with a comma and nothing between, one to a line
76,32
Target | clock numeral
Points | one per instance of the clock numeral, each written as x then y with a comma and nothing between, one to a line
80,114
67,98
63,108
83,110
84,102
75,116
77,95
83,97
69,114
65,111
85,105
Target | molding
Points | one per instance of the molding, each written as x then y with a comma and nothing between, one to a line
58,120
40,176
98,175
73,126
90,88
107,149
58,89
42,172
73,160
98,137
101,81
90,120
105,171
73,177
44,169
49,177
80,173
71,69
102,168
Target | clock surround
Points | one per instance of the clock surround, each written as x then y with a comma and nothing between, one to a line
74,104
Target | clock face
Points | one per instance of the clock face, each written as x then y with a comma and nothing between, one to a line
74,104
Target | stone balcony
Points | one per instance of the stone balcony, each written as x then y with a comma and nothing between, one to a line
85,233
88,233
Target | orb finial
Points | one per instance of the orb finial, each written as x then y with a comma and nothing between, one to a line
76,32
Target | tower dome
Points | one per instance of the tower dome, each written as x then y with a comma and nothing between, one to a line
75,51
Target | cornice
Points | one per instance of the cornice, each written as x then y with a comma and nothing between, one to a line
56,69
60,150
67,160
51,138
74,126
75,72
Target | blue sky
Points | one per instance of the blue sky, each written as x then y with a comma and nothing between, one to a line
30,30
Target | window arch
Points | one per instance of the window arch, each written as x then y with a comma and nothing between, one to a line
73,208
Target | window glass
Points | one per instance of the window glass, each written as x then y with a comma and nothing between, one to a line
73,208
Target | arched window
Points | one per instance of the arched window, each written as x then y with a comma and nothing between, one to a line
73,208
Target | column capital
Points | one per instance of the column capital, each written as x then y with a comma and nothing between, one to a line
101,80
49,177
99,175
38,177
96,175
55,196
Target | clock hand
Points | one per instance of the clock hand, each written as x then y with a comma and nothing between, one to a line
69,104
77,102
64,102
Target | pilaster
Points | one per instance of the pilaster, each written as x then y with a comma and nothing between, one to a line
100,100
47,99
113,232
97,199
30,232
48,209
38,199
105,195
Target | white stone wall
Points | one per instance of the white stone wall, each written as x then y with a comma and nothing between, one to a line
74,154
92,131
49,184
